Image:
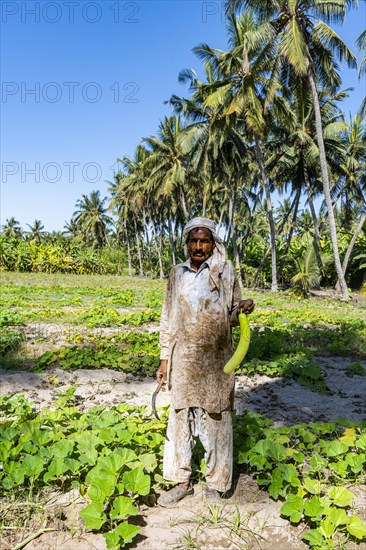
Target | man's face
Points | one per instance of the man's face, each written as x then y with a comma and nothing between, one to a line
200,245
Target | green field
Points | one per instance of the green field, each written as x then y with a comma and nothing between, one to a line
101,322
112,456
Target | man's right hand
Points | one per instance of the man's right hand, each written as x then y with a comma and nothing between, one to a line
161,372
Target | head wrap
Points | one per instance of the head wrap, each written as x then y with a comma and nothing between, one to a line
218,255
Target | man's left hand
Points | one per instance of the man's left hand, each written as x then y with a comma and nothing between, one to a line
246,306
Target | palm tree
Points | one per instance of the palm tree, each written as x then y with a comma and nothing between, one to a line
36,231
295,156
121,207
72,228
167,161
93,218
361,44
121,233
137,212
237,95
307,275
11,228
205,155
351,187
305,49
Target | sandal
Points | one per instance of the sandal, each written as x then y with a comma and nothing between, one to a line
171,497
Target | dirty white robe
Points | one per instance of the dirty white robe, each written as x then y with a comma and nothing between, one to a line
215,433
195,338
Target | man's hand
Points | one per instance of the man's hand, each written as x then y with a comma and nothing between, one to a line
246,306
161,372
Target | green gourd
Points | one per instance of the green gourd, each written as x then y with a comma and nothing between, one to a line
243,345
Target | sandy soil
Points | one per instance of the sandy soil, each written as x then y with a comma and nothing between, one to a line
283,400
191,524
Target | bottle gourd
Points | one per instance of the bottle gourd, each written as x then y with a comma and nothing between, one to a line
243,345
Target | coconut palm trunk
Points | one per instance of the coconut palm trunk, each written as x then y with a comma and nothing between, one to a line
236,256
265,256
326,185
146,229
129,261
248,231
161,228
232,234
157,243
222,212
171,236
291,232
138,244
351,245
205,194
274,286
315,220
183,203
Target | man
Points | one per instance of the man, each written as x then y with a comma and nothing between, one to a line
201,304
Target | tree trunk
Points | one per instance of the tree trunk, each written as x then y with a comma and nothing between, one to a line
128,254
274,286
182,200
326,186
261,265
250,221
291,232
236,256
148,243
138,244
230,216
221,218
232,231
171,236
158,250
162,275
315,220
350,246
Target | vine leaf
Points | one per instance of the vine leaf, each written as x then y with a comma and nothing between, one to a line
356,527
93,516
341,496
136,482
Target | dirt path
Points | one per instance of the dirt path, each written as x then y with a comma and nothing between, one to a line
283,400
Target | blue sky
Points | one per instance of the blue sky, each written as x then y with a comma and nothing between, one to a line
83,82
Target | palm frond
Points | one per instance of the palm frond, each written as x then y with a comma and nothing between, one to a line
327,35
217,98
292,47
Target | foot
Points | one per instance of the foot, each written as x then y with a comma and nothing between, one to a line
212,496
171,497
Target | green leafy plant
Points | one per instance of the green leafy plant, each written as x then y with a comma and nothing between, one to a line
113,456
131,352
308,275
355,369
300,464
10,340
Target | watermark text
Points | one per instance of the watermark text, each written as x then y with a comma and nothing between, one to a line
212,10
50,172
69,11
68,92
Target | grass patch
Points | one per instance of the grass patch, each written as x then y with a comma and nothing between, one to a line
286,333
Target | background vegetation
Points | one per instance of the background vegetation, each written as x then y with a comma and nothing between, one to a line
264,122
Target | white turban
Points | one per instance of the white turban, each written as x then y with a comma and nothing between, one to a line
218,254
